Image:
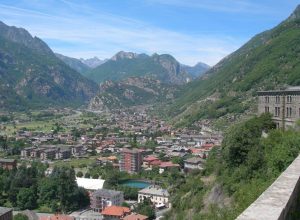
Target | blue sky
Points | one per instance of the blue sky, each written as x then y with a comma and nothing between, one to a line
190,30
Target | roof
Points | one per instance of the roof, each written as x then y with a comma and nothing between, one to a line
57,217
135,216
155,190
4,210
168,164
131,151
116,211
288,91
7,160
150,158
155,162
90,184
194,160
106,193
30,214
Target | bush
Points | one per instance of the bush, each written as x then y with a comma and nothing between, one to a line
79,174
87,175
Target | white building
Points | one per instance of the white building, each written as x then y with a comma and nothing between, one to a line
90,184
158,196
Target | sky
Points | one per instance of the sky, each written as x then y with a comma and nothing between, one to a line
190,30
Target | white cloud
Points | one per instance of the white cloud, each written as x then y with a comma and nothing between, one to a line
93,33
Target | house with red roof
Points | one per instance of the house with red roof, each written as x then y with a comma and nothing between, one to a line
167,166
115,212
150,160
135,216
57,217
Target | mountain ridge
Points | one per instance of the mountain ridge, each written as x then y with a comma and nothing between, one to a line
32,76
128,64
227,91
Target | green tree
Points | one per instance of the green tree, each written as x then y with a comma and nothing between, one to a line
79,174
87,175
26,199
146,208
20,216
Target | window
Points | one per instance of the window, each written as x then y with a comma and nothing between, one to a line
288,112
289,99
277,99
267,99
277,111
267,110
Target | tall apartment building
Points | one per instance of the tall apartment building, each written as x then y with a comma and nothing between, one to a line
131,160
104,197
284,105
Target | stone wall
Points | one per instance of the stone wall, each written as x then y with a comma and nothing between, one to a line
281,200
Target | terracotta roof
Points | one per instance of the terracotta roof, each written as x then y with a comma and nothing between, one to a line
135,216
168,164
155,162
57,217
150,158
207,145
115,211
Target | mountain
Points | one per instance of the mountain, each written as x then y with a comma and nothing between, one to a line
131,92
74,63
197,70
270,60
32,76
127,64
93,62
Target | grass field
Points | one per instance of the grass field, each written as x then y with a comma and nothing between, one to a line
76,163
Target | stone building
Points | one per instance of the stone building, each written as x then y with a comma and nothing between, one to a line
6,213
284,105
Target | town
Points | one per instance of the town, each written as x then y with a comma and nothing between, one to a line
143,150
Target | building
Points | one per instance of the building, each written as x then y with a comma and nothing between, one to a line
164,166
115,212
103,198
31,215
135,216
90,184
130,160
78,150
48,154
56,217
26,152
284,105
86,215
8,164
6,214
63,153
194,163
149,160
157,195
